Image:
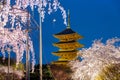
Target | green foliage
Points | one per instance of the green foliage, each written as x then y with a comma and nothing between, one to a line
20,66
46,73
5,62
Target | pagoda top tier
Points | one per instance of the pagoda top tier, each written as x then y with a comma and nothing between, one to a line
66,31
68,34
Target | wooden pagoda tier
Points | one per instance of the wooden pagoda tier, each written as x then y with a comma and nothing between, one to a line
67,35
66,55
67,45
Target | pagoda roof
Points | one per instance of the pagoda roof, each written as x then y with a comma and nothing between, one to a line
66,42
66,31
65,51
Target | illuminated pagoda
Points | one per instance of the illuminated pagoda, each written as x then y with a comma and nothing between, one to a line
67,45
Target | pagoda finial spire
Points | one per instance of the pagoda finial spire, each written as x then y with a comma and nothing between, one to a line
68,24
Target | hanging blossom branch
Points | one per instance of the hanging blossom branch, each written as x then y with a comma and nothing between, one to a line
10,13
15,41
17,14
53,6
95,59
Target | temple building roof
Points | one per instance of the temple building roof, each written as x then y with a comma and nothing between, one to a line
68,45
66,55
66,31
66,51
65,42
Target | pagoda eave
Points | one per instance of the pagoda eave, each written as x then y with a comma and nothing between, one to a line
64,53
69,37
73,45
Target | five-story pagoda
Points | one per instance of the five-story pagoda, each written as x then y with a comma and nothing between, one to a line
67,45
